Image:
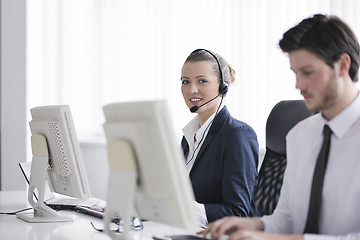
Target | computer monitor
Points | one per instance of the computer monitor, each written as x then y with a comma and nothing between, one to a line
57,161
147,169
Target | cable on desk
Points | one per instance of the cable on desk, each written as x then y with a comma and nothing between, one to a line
136,225
13,213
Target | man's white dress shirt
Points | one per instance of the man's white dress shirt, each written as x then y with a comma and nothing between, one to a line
340,213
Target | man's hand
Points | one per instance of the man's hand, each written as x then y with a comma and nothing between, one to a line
243,229
228,225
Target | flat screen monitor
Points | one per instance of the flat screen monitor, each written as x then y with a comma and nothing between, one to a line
57,161
141,139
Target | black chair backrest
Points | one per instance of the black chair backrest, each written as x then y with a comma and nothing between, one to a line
284,116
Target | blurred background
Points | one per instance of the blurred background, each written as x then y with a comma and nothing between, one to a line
88,53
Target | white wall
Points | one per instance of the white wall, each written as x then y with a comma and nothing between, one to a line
13,92
97,168
13,123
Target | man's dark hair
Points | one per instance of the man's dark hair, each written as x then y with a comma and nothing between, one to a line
325,36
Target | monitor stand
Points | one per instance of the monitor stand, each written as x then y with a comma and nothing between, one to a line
42,213
121,187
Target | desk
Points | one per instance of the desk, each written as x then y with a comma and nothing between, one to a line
16,229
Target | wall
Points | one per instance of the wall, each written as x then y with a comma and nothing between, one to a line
13,125
13,93
96,164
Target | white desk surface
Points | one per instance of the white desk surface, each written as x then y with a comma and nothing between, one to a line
16,229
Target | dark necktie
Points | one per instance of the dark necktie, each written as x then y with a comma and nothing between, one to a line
312,221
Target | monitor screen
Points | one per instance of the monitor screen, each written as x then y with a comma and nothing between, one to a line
163,191
57,160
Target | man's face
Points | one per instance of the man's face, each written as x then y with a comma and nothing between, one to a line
317,81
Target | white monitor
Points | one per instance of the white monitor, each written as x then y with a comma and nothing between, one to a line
147,169
57,160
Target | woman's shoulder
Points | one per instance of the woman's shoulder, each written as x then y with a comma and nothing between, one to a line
236,123
231,124
235,127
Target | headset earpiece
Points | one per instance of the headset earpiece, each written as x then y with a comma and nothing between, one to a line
223,88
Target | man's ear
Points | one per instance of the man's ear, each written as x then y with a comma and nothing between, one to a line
344,63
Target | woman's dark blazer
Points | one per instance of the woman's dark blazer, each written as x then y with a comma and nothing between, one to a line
224,175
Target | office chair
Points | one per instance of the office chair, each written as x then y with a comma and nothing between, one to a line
284,116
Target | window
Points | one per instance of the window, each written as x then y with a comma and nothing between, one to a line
89,53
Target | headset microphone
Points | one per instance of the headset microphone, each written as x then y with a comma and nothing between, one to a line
195,108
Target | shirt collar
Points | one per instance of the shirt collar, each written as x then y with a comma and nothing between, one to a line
193,127
205,126
342,122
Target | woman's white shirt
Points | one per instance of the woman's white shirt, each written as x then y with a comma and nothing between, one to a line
195,136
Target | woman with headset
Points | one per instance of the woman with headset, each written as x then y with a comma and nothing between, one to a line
221,152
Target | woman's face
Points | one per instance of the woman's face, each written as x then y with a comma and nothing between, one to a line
199,85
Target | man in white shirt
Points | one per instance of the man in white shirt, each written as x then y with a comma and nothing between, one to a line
324,55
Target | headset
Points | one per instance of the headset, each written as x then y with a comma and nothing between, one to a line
223,87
